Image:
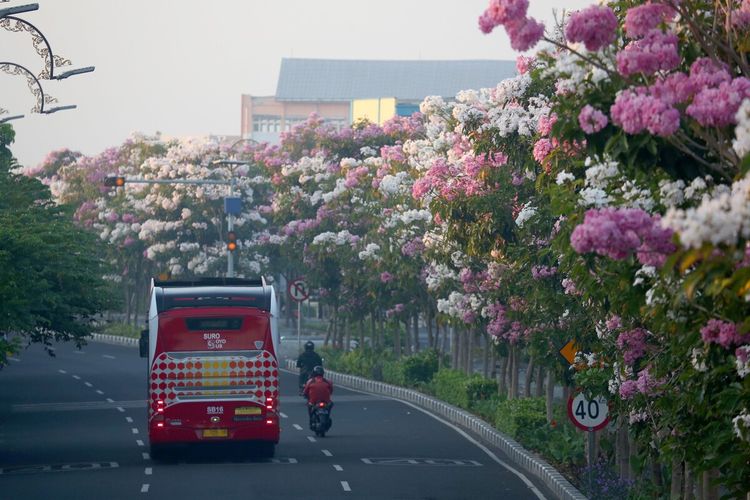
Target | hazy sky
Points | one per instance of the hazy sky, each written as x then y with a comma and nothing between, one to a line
180,66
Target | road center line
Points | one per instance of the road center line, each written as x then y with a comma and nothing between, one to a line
148,471
139,442
120,409
145,455
14,359
88,384
99,392
283,415
338,468
129,420
76,377
135,430
108,356
345,485
144,488
297,426
311,439
327,453
62,371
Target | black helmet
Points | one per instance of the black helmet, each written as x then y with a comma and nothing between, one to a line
318,370
309,346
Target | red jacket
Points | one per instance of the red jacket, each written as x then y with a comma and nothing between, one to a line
318,389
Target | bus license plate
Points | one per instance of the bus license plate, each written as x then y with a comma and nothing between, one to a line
247,410
215,433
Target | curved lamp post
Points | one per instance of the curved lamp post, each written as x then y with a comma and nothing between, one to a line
14,24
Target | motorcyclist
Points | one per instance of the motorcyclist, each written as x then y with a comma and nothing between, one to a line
318,390
306,361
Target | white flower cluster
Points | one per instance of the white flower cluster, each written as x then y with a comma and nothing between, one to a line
370,252
152,227
341,238
337,191
720,219
698,359
741,143
432,105
457,304
743,369
600,172
741,425
395,184
564,177
407,218
159,248
437,274
573,74
368,151
526,213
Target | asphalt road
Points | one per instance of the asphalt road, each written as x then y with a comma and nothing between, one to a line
74,427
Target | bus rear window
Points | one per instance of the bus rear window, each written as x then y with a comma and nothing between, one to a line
202,324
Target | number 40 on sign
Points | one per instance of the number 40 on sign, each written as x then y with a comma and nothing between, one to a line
588,414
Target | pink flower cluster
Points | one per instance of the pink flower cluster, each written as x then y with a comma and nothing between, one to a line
498,321
413,247
524,64
641,19
636,110
569,287
723,333
545,123
656,51
299,226
632,343
617,233
386,277
741,17
355,175
591,119
541,272
524,32
595,26
646,385
717,106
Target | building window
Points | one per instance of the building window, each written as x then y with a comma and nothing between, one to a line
266,123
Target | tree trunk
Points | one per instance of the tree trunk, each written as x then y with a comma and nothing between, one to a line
362,333
397,341
329,332
539,389
415,321
469,347
710,488
549,399
486,363
438,346
622,450
656,475
514,372
527,379
347,335
454,348
502,375
689,493
430,336
676,486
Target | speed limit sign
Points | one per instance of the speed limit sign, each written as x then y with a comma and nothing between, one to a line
588,414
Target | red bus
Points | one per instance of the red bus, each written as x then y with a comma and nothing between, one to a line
213,373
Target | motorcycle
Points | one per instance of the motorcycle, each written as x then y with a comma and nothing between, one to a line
320,418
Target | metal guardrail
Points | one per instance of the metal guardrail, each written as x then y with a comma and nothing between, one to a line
532,464
114,339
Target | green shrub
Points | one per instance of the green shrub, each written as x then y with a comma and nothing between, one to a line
420,367
450,386
393,373
479,388
520,417
563,443
487,408
122,330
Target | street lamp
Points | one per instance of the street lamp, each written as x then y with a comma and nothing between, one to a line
73,72
9,118
20,9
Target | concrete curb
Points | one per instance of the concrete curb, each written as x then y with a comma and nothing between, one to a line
530,463
114,339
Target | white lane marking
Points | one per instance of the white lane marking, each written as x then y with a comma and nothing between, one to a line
338,468
99,392
311,439
110,400
283,415
121,409
135,431
345,485
108,356
129,420
144,488
327,453
139,442
62,371
76,377
88,384
145,455
148,471
14,359
297,426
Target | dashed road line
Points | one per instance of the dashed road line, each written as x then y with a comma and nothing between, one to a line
14,359
120,409
283,415
88,384
327,453
144,488
139,442
145,455
76,377
108,356
297,426
311,439
135,430
148,471
338,468
129,420
110,400
99,392
345,485
62,371
80,352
